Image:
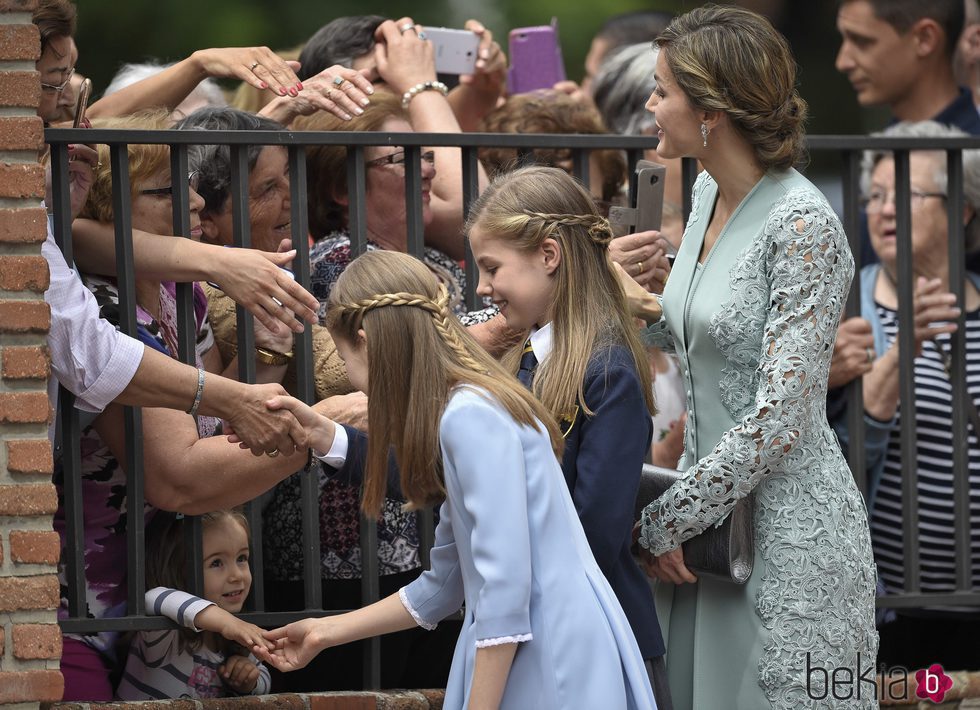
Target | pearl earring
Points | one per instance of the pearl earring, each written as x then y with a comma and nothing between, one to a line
704,134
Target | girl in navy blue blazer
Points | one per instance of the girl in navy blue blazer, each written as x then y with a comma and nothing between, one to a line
541,248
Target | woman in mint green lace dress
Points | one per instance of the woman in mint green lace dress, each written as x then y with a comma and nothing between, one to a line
752,308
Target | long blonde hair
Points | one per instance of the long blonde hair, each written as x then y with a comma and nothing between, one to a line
417,352
526,207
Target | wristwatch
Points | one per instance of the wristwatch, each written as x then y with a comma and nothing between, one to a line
271,357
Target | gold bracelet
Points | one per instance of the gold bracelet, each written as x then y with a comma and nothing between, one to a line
271,357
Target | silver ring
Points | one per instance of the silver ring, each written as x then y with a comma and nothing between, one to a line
406,27
254,64
272,454
871,354
338,80
421,34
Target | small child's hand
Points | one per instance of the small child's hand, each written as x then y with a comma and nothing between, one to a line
240,674
216,619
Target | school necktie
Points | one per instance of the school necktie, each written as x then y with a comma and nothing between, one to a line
528,362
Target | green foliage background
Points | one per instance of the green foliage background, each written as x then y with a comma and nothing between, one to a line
111,32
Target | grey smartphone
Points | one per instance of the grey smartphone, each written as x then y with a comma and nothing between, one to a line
649,200
646,197
456,50
81,103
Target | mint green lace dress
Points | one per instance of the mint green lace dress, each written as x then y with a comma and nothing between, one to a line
754,329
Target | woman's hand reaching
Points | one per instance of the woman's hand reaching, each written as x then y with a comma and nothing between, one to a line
294,645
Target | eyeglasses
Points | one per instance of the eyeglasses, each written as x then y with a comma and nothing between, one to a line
193,179
58,88
877,199
398,158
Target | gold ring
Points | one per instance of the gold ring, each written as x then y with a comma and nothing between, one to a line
338,80
330,94
254,64
272,454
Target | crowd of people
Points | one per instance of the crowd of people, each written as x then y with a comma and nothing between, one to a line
716,348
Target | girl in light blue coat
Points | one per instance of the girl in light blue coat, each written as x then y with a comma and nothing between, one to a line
542,628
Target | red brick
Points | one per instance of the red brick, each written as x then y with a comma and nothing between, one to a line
41,547
27,363
29,457
36,641
28,499
21,180
24,273
28,225
31,686
19,42
24,408
21,132
345,701
247,702
18,5
29,594
20,88
24,317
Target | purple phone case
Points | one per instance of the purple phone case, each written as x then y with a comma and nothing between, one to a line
535,59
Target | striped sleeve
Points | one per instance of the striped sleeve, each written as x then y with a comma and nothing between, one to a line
180,607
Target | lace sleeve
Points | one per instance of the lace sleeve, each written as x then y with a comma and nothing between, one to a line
808,266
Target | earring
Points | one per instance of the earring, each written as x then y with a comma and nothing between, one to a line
704,134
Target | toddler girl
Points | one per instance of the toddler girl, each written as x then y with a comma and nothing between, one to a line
208,657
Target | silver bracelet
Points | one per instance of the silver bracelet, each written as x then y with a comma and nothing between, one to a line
423,86
200,392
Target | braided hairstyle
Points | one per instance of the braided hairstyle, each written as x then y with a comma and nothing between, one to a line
733,60
417,352
528,206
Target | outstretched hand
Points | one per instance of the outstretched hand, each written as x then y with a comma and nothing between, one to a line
254,280
258,66
295,645
321,92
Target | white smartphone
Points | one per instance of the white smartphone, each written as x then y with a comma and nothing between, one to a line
456,50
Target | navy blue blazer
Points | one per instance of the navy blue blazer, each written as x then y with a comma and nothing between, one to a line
604,455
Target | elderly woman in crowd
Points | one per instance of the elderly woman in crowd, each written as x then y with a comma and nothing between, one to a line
386,209
184,470
270,226
918,639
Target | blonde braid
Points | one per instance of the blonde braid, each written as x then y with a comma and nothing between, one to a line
438,309
597,226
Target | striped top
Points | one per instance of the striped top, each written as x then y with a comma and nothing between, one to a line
157,668
934,468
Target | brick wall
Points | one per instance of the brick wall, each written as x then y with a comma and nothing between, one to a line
30,641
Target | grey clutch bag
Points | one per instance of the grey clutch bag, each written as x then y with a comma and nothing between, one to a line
724,551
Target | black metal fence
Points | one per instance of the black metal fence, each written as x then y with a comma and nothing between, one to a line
850,149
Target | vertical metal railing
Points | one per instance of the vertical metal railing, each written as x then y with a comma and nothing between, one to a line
413,145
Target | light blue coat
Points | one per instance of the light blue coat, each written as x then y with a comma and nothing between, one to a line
754,329
509,543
